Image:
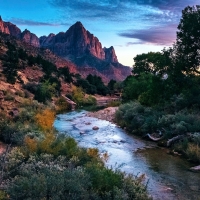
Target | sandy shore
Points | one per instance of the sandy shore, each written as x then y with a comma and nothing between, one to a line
105,114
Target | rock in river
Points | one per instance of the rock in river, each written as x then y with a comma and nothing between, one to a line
95,128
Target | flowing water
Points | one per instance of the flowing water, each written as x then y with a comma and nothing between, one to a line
167,177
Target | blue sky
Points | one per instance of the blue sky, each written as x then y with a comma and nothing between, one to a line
131,26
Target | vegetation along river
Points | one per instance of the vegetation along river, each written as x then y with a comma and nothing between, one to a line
167,177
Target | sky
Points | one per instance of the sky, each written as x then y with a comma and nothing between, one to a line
131,26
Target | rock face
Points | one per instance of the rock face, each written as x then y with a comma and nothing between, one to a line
110,54
9,28
3,27
76,41
85,50
12,29
78,46
30,38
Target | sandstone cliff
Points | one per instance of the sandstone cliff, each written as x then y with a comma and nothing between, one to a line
78,46
9,28
13,30
30,38
3,27
85,50
110,54
76,42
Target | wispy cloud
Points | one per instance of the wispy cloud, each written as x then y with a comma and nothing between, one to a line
103,9
34,23
150,11
167,4
164,35
134,43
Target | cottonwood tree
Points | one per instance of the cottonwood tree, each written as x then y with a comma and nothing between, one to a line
187,47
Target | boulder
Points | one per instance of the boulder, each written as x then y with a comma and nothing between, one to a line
95,128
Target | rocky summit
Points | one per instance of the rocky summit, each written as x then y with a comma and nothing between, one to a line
76,45
76,42
85,50
13,30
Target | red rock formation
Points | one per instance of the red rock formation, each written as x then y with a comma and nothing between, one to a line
76,41
13,29
110,54
3,27
30,38
85,50
78,46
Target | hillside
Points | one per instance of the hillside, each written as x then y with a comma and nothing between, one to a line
24,68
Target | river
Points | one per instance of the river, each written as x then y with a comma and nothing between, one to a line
167,177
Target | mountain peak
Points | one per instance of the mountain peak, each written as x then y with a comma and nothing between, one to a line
30,38
78,23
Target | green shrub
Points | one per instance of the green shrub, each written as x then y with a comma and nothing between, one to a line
140,119
80,98
114,103
45,91
62,105
137,118
46,176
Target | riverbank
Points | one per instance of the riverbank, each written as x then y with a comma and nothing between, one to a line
105,114
109,115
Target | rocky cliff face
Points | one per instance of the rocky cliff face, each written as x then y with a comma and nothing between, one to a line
9,28
85,50
3,27
77,41
110,54
30,38
78,46
12,29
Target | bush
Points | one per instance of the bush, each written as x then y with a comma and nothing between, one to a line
45,119
193,152
137,118
66,73
79,97
141,119
46,176
45,91
62,105
114,103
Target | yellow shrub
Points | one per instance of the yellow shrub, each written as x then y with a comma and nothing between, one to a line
93,152
45,145
193,152
3,195
31,144
45,119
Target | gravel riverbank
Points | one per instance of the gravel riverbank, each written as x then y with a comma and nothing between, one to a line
105,114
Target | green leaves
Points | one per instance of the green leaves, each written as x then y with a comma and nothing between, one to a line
187,46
